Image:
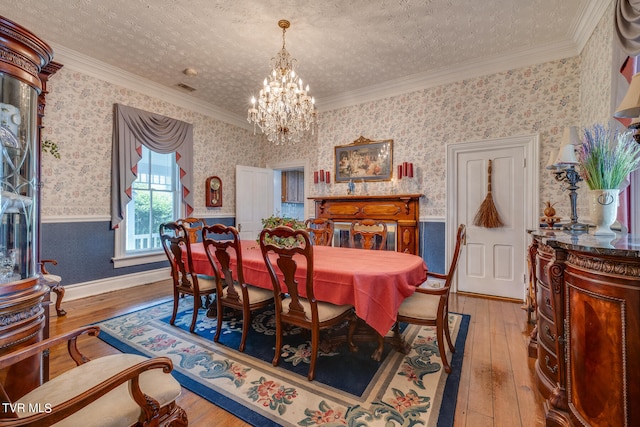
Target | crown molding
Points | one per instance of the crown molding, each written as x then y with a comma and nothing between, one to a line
100,70
443,76
587,19
578,34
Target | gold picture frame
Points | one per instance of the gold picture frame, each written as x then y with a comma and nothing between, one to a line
364,160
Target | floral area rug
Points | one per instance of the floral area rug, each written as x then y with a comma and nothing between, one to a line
350,388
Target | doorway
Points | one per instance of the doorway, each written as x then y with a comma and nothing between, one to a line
291,189
493,262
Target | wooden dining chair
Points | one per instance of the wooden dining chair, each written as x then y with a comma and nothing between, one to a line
320,230
193,226
429,305
368,234
222,244
282,249
177,246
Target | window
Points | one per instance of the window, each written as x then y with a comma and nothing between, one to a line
155,198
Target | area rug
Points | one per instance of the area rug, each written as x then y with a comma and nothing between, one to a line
350,388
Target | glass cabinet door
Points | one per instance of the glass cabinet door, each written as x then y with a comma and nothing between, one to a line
18,226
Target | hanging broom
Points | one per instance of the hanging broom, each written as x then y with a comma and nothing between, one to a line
487,215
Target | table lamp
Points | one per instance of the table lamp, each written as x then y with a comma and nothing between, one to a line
566,172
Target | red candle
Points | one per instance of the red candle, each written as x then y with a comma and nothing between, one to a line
328,178
315,177
322,175
410,170
399,171
405,172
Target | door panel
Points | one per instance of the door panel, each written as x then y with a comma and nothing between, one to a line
494,256
254,199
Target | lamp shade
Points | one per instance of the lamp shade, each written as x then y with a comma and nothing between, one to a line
570,136
630,105
551,163
567,155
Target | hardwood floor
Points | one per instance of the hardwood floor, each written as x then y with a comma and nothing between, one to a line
497,386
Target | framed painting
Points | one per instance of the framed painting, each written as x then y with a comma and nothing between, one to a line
364,160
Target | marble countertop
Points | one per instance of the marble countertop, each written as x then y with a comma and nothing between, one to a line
623,245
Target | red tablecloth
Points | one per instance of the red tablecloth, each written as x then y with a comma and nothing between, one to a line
374,282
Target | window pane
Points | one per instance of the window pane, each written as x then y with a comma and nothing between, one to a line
155,199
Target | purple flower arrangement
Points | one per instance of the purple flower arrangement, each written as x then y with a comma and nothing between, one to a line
607,156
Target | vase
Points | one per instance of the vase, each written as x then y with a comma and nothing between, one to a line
603,209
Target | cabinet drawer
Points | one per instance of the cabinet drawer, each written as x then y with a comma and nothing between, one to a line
548,363
542,260
544,301
547,332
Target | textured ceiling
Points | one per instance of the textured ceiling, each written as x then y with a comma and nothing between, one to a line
344,48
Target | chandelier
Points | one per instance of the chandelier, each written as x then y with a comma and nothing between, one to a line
284,111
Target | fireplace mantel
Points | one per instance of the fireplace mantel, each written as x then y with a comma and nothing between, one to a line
403,209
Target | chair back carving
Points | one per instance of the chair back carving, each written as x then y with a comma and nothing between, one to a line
368,234
281,244
177,246
192,226
320,230
218,241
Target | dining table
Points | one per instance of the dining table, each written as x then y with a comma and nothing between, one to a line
375,282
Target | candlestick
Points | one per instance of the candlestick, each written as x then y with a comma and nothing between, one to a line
315,177
404,169
399,171
410,170
321,175
328,177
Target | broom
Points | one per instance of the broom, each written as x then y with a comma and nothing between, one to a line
487,215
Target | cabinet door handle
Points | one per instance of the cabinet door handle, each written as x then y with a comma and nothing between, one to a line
549,334
554,369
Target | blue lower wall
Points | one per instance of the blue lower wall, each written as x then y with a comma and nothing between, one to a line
432,245
84,249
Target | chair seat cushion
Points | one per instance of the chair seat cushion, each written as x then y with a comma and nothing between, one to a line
326,311
256,294
206,283
433,282
420,306
116,408
52,278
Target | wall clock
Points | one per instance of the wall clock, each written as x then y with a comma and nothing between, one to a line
213,192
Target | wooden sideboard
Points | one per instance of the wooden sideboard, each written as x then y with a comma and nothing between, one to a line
588,328
401,209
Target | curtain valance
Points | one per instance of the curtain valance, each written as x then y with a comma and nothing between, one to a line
133,128
627,25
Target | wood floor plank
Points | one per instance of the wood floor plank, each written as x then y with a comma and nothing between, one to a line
480,387
495,362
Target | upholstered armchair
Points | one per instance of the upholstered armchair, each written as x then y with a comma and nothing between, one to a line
119,389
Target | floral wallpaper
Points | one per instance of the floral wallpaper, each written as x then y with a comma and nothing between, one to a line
539,99
79,118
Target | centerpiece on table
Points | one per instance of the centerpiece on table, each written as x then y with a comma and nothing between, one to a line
607,157
275,221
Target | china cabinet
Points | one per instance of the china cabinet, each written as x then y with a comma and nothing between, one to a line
23,310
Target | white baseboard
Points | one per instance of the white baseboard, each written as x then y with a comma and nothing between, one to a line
96,287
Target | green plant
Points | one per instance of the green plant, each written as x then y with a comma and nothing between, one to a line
51,147
607,157
274,221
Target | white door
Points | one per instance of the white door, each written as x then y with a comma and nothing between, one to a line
254,199
493,262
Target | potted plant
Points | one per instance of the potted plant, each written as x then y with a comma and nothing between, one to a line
607,157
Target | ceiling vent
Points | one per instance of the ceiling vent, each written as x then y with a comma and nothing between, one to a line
186,87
